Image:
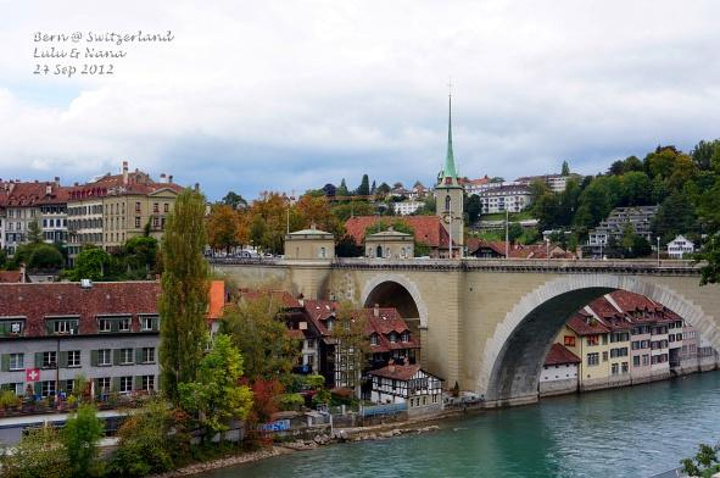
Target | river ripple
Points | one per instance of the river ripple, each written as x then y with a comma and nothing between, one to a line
636,432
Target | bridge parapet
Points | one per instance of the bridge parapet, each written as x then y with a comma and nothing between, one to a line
563,266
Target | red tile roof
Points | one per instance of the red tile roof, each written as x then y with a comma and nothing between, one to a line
216,305
560,355
35,302
474,244
583,323
11,276
427,229
19,194
387,321
397,372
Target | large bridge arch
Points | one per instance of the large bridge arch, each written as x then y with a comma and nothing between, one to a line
513,356
381,287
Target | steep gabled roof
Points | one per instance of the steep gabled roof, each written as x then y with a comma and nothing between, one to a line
427,229
560,355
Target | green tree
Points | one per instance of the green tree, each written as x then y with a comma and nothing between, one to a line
342,190
140,256
710,253
40,453
91,263
703,153
515,230
234,200
364,188
383,189
34,233
262,338
216,395
80,437
150,441
636,189
184,300
704,464
44,257
473,208
565,169
676,215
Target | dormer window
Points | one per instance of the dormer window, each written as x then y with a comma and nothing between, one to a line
373,339
393,337
330,324
12,327
405,337
61,326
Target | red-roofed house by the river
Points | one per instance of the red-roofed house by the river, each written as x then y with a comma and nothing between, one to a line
559,373
407,385
428,230
388,335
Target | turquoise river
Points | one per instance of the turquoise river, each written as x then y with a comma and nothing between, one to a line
636,432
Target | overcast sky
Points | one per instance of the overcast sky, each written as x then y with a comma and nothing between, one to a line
281,95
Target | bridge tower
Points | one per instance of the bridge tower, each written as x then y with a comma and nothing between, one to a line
449,195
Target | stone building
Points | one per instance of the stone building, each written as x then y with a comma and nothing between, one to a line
310,244
390,244
559,374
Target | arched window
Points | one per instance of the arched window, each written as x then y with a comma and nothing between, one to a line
322,253
447,203
378,252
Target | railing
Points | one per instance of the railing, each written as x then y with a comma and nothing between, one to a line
632,266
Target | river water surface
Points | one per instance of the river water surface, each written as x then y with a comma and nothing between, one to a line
636,432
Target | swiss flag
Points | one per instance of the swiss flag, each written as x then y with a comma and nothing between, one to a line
32,374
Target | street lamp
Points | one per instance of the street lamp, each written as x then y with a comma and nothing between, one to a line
658,250
547,251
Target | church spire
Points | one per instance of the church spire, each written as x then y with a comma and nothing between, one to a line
449,158
448,175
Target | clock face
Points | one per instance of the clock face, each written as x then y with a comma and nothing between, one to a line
447,219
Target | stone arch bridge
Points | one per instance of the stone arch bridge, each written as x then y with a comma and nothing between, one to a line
488,324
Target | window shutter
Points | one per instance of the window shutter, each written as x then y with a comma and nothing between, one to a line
116,357
38,388
94,358
116,384
6,362
38,360
156,323
49,327
97,386
138,383
114,325
138,355
63,385
63,360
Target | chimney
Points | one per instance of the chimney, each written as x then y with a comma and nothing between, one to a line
57,180
197,187
170,179
76,184
163,178
48,189
23,276
125,172
376,310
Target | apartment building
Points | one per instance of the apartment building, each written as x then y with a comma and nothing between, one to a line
23,203
50,333
505,197
406,208
557,183
639,218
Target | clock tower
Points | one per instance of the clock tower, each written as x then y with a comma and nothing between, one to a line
449,196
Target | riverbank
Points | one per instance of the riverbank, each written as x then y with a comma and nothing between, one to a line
415,426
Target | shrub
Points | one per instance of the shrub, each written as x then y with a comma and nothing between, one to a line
9,399
292,401
80,436
40,453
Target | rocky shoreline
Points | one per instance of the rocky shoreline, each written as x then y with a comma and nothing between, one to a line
378,432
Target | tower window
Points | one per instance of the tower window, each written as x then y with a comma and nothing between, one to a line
447,203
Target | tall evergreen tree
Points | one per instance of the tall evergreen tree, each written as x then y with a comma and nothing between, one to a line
565,169
184,300
364,189
342,190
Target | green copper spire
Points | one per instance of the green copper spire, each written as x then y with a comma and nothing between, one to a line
449,170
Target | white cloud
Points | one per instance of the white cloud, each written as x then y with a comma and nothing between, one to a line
290,95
